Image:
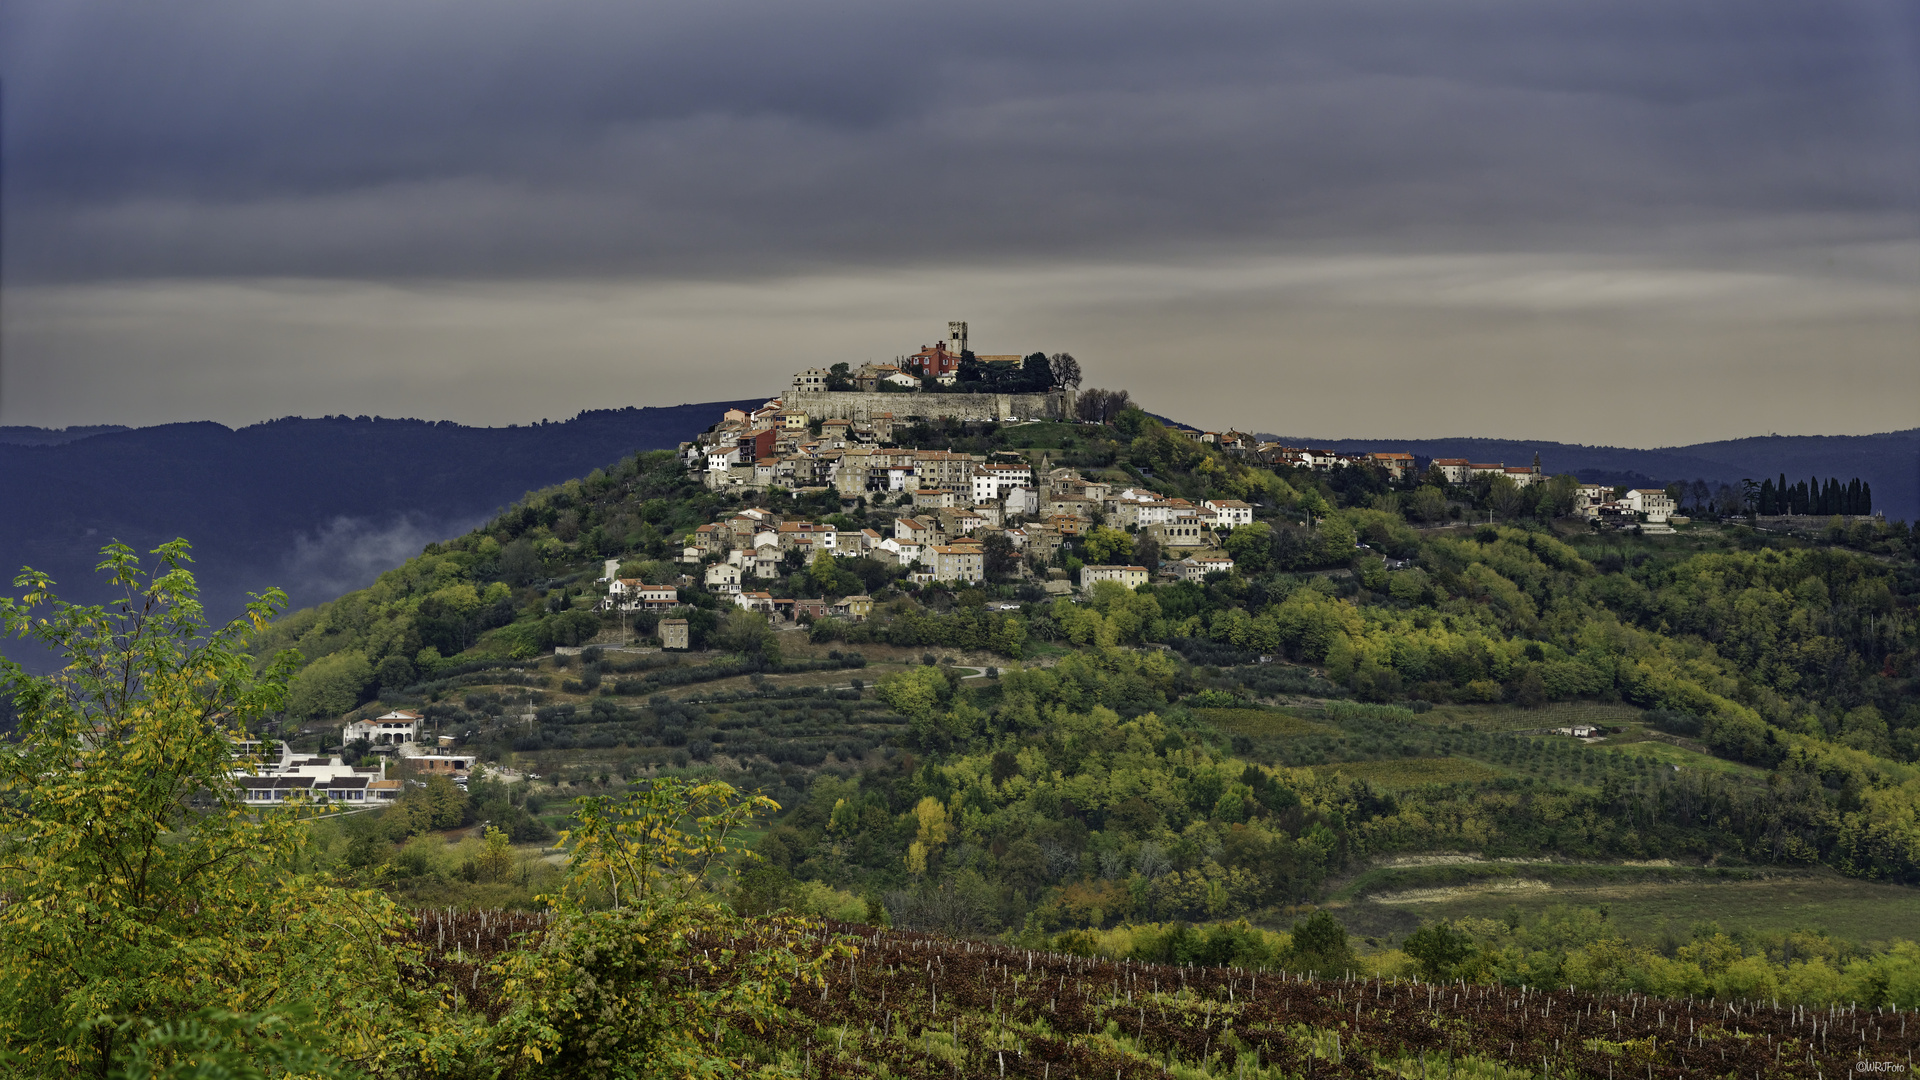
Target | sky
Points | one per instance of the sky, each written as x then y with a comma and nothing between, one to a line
1637,223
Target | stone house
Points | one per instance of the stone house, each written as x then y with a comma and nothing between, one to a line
1130,576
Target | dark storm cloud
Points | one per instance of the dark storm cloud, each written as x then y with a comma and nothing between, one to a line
516,140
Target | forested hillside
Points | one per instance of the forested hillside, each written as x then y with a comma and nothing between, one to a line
1124,760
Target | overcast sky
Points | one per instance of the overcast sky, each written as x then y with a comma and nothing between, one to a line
1639,222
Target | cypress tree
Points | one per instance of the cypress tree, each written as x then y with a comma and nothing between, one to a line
1853,496
1866,499
1767,507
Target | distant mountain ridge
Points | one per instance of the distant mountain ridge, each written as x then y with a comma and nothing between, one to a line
1890,461
314,506
40,436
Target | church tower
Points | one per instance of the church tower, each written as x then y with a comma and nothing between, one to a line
957,338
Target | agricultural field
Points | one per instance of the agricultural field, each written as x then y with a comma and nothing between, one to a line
1399,774
919,1005
1262,723
1645,903
1546,717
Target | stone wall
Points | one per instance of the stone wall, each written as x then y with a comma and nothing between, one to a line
852,405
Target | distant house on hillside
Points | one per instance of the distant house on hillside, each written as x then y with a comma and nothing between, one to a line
933,361
1229,513
1397,465
959,562
1130,576
392,729
1652,502
723,578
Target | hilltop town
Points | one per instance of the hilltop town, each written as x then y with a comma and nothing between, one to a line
870,439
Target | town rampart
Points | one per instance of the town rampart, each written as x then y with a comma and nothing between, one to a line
857,406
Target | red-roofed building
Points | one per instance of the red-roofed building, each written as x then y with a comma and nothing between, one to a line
933,360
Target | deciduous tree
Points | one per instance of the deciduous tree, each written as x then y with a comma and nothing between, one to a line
151,918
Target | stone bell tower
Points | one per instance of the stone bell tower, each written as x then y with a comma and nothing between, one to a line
957,338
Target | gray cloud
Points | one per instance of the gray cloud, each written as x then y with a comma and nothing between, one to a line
499,211
377,139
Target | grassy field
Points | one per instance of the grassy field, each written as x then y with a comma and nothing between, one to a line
1649,902
1668,754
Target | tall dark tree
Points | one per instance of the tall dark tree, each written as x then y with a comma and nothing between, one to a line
1036,373
1066,370
1146,552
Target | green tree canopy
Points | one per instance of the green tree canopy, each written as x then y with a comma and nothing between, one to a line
151,919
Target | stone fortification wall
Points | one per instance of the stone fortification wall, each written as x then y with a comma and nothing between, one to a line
852,405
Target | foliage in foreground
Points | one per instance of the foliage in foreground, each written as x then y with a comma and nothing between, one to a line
152,918
157,926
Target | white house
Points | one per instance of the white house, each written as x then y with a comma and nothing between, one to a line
1022,502
723,578
658,597
902,552
1229,513
1652,502
992,482
393,729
